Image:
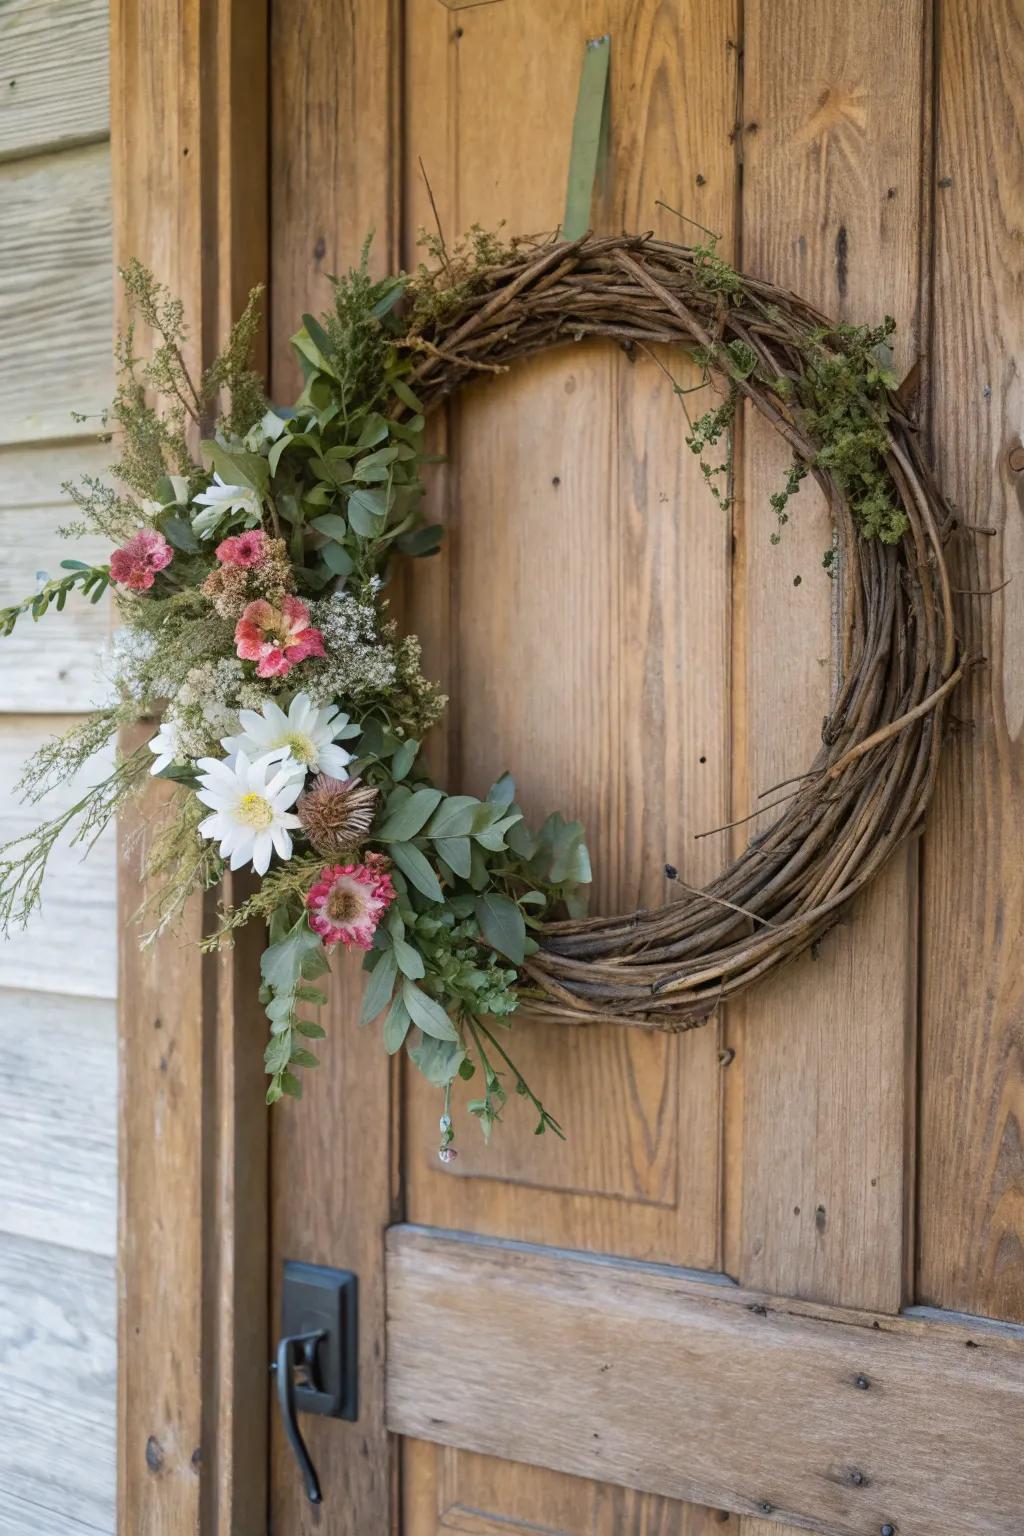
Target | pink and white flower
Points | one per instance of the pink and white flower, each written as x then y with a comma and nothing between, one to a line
245,549
349,900
277,638
136,563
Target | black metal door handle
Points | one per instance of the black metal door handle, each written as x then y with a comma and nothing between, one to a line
298,1351
317,1363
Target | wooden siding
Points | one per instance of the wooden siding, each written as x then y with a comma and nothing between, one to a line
58,1076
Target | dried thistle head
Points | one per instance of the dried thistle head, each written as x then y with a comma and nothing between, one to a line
336,815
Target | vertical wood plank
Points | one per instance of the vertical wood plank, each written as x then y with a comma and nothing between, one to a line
817,1122
972,982
334,132
579,618
581,455
188,93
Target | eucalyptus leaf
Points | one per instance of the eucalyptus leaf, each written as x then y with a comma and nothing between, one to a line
416,870
454,817
402,824
457,854
404,758
396,1025
410,961
379,987
332,524
427,1014
439,1060
502,925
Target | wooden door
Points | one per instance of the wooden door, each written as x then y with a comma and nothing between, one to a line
739,1297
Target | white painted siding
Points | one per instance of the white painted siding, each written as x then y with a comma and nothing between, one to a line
58,1071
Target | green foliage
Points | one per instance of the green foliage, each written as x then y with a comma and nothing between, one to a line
454,274
90,580
840,399
707,432
23,860
232,372
843,394
292,961
713,272
779,500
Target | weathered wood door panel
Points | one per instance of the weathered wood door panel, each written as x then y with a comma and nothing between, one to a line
646,662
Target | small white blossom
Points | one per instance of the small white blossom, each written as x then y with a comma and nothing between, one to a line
222,504
250,803
305,735
166,747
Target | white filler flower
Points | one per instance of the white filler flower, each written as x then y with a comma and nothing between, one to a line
166,747
305,734
251,815
221,502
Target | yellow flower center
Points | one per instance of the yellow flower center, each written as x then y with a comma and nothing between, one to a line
255,811
301,748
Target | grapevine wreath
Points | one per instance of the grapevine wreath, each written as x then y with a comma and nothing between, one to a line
251,583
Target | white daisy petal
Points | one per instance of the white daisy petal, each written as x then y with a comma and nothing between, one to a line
305,736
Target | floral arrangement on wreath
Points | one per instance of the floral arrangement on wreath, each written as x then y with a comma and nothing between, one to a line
250,585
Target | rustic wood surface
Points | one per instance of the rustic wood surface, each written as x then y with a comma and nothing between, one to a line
55,293
834,1420
579,455
58,1132
971,1216
189,91
52,670
334,116
54,75
57,1366
817,1112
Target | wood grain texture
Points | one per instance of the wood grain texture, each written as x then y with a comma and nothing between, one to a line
580,455
78,897
971,1215
57,1384
334,118
819,1104
834,1420
188,90
335,107
471,1495
54,669
579,618
55,91
58,1133
55,294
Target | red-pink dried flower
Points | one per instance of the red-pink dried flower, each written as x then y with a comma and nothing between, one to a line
277,638
349,900
136,563
248,548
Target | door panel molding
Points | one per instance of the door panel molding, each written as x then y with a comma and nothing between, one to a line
827,1418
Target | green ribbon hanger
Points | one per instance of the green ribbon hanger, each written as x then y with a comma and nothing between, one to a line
589,137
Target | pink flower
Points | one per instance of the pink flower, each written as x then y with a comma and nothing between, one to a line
136,563
246,549
349,900
277,638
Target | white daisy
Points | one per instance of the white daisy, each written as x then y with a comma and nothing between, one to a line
251,815
166,747
221,503
306,735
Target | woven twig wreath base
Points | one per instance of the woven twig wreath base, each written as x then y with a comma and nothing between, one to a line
868,788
